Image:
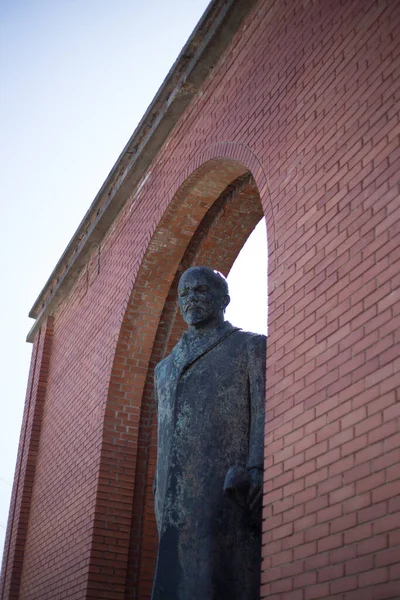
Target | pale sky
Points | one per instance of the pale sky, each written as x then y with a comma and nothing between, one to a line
76,76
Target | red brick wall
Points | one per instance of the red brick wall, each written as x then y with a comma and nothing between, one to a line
307,100
18,519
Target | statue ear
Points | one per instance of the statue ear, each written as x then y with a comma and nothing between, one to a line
225,301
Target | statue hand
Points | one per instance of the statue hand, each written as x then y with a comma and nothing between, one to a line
254,497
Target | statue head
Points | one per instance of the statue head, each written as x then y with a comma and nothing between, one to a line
203,297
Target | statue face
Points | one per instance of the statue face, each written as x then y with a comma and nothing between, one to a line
201,300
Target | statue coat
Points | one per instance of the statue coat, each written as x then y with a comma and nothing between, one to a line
210,395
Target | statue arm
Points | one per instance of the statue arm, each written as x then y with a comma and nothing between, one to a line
156,513
156,407
257,363
257,358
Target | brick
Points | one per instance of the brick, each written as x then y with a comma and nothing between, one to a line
326,405
390,383
392,412
358,565
305,550
340,410
394,572
305,579
282,531
368,453
387,557
344,585
294,514
373,577
340,438
371,482
284,585
293,541
317,591
316,450
331,573
316,561
379,375
342,493
327,458
375,544
386,491
382,433
343,523
358,533
381,403
371,513
328,432
339,466
387,523
330,542
329,484
369,423
343,554
357,502
315,533
394,537
359,472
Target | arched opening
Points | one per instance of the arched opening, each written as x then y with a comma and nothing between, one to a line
248,284
207,222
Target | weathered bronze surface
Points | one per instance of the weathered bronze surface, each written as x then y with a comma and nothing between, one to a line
210,395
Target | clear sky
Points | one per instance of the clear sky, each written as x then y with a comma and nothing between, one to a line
76,76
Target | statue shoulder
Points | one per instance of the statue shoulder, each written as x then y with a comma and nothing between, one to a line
256,343
251,337
161,365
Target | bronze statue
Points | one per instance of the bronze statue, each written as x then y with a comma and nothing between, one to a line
210,394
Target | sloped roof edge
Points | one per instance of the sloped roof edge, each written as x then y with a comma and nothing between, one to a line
208,41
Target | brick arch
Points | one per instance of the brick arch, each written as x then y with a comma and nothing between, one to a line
218,202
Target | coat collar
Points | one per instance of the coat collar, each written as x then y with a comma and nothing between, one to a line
190,348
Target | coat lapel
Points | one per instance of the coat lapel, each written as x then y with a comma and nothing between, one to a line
190,349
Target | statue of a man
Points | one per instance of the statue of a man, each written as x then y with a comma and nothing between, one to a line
210,395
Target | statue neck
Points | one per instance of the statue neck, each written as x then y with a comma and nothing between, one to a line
204,329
